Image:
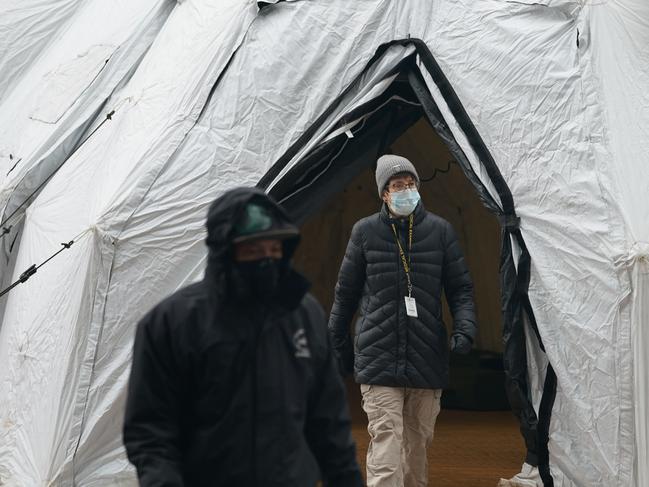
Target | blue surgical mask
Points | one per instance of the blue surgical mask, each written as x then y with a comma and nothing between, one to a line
402,203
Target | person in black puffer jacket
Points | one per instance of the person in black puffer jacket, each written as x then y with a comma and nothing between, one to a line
234,382
396,265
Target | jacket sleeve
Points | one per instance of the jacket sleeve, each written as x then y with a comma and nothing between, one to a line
151,424
458,286
351,280
328,425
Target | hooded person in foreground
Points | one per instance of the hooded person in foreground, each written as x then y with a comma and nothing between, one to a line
233,380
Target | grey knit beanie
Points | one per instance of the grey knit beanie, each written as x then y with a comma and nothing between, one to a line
390,164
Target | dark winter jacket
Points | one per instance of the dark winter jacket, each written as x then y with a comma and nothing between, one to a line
391,348
222,394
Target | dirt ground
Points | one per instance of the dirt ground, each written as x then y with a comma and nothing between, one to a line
471,449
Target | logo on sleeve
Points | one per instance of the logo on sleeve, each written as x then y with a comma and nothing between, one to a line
301,344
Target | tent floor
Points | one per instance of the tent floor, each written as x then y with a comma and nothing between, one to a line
470,449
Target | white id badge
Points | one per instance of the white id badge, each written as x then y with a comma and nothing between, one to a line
411,307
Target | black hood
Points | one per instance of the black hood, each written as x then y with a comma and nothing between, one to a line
222,217
226,210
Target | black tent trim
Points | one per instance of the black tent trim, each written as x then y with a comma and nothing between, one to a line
308,134
396,101
516,306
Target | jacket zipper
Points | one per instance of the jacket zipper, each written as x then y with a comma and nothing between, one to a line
396,362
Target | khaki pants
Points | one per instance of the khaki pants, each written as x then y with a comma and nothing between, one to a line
401,424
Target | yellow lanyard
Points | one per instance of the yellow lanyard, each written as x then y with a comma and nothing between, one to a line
407,265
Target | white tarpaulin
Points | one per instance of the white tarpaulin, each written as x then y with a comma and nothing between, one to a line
26,28
619,32
47,113
223,92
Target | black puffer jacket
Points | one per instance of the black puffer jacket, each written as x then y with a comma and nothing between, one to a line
391,348
223,394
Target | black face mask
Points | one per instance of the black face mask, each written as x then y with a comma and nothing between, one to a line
256,279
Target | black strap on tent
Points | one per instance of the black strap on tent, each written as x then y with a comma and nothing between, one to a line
545,413
436,120
509,222
15,164
4,225
465,123
31,270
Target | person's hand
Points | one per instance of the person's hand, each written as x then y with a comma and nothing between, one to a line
460,344
345,360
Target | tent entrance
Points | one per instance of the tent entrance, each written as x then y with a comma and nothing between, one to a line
477,380
383,102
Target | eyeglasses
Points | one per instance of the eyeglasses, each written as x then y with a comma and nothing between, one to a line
399,186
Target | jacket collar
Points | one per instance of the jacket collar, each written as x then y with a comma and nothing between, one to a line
292,290
231,318
419,213
290,293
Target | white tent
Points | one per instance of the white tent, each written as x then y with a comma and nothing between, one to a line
543,102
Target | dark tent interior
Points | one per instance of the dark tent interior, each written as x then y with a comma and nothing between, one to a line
476,380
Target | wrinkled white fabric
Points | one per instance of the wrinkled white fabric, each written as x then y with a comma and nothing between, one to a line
49,111
561,125
26,28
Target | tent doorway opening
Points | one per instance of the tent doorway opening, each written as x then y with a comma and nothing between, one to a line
325,181
477,380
